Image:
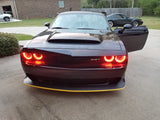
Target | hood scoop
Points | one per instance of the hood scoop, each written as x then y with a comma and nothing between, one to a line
73,38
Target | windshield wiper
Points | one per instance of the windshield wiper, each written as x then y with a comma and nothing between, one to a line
59,28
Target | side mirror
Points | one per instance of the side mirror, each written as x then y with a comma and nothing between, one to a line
47,24
126,26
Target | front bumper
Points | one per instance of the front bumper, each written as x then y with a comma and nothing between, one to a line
78,88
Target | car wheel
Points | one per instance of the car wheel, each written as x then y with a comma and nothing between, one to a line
110,23
135,24
6,19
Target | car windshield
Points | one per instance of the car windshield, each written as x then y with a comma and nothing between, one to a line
80,21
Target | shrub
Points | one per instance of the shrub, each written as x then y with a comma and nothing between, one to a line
8,45
157,11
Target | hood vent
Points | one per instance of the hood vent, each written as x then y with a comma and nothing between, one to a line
79,38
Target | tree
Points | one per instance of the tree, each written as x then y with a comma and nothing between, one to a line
132,3
111,1
150,7
103,4
93,3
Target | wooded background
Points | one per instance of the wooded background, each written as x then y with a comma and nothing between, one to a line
131,12
149,7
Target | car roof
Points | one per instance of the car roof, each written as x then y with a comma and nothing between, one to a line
83,12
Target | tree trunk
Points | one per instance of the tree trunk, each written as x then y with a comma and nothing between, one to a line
132,3
110,3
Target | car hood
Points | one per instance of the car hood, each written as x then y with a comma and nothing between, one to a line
67,40
133,18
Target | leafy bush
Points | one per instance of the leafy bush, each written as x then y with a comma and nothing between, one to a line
8,45
157,11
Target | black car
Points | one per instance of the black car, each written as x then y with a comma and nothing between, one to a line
77,53
118,19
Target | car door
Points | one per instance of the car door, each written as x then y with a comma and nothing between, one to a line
134,38
118,20
1,16
125,19
121,19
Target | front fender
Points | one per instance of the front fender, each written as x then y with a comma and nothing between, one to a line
134,19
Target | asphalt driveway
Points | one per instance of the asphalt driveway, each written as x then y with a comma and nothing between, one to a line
139,101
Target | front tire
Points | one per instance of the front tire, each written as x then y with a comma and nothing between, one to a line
135,24
110,23
6,19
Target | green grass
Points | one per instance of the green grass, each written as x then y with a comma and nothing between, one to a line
151,22
26,23
22,36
